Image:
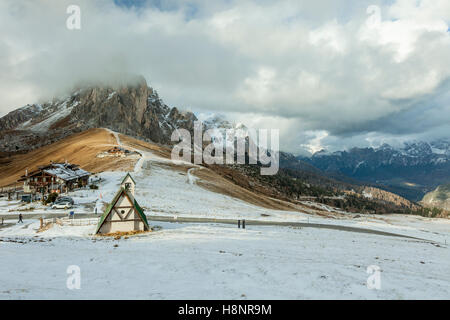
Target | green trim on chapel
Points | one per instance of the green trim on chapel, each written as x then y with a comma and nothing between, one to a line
136,205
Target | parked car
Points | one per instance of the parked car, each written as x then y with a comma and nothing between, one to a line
26,198
64,199
62,205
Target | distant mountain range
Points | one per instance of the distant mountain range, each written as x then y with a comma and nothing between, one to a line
411,171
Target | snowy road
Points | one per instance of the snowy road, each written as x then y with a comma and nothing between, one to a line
249,223
281,224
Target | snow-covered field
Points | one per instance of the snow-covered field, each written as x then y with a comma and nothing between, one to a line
205,261
192,261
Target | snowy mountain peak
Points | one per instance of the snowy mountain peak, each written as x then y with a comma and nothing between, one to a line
218,121
325,152
129,108
385,147
417,148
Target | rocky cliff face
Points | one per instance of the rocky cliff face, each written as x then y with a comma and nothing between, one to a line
133,109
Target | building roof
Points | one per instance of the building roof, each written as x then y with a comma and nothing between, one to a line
128,175
111,205
64,171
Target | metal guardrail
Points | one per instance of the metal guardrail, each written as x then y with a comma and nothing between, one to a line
82,222
73,222
7,189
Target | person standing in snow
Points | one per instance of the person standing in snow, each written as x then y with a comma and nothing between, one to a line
20,218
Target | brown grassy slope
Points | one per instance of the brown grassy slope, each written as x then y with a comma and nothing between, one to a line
211,180
215,182
160,151
80,148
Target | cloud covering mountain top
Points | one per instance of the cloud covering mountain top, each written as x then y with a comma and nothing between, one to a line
326,73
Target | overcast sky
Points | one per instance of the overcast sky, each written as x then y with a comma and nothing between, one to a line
328,74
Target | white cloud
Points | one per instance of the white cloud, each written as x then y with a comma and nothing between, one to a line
403,26
329,36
